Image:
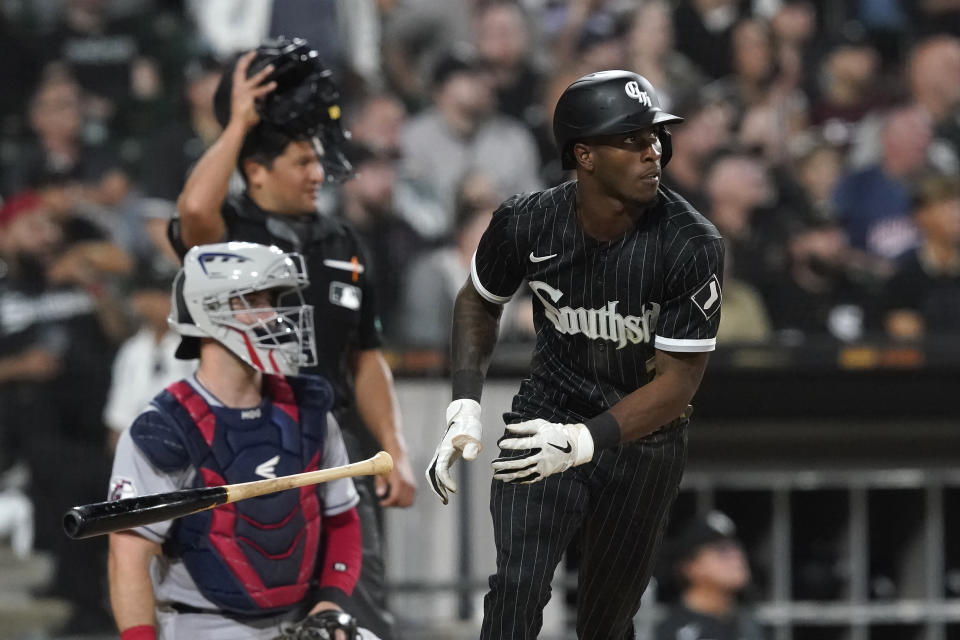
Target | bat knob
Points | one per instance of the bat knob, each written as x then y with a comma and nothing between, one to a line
382,463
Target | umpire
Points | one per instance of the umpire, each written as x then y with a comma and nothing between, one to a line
625,277
282,130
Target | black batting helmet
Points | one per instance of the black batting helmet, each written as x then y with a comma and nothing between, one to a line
305,103
608,102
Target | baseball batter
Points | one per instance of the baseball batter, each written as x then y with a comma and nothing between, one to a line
626,279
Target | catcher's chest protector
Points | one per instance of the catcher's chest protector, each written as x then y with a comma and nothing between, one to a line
257,555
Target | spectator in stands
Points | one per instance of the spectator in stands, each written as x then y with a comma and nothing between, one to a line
816,168
923,297
170,153
740,197
377,122
873,203
57,146
551,169
827,288
706,128
745,317
416,36
368,204
708,564
462,132
933,73
651,53
703,29
119,62
849,89
503,42
426,311
753,66
145,363
59,314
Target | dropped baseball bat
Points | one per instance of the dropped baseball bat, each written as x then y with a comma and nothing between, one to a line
104,517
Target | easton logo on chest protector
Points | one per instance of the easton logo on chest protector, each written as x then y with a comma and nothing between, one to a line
258,555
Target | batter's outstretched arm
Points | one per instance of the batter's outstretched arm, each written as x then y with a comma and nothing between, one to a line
664,399
475,325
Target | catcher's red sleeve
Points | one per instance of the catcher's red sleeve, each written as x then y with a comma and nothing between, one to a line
341,550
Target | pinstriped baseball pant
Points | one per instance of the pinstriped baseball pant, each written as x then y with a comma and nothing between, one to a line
617,504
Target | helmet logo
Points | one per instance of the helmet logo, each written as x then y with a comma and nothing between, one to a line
632,89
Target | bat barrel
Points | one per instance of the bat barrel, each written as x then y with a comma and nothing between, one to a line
104,517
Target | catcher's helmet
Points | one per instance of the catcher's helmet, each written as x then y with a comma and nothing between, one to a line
608,102
210,300
305,103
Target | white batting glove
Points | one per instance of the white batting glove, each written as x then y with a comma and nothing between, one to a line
462,438
552,448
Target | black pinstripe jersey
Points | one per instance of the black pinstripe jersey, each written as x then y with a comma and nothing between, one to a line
600,308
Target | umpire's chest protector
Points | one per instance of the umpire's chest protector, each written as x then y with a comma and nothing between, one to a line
257,555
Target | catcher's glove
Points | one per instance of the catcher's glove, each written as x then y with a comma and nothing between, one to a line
320,626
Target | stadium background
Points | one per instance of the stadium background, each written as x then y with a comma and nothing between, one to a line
826,426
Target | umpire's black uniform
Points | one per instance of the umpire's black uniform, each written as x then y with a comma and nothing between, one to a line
346,320
600,310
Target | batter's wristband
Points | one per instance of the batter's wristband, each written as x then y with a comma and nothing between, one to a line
605,431
467,383
142,632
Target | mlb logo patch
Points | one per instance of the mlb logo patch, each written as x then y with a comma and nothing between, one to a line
708,298
345,295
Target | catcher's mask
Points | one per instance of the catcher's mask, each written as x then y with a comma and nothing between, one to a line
304,105
215,296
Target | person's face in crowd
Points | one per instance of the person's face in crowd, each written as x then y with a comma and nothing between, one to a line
470,95
55,113
819,173
739,183
289,186
721,565
794,22
706,130
940,220
373,185
651,35
853,66
627,165
379,124
33,234
502,35
906,140
752,53
935,70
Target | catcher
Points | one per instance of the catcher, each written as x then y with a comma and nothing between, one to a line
246,571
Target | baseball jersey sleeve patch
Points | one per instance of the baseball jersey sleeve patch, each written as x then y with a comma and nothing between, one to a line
121,487
708,297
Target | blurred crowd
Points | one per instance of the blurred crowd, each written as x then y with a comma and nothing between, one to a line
822,137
